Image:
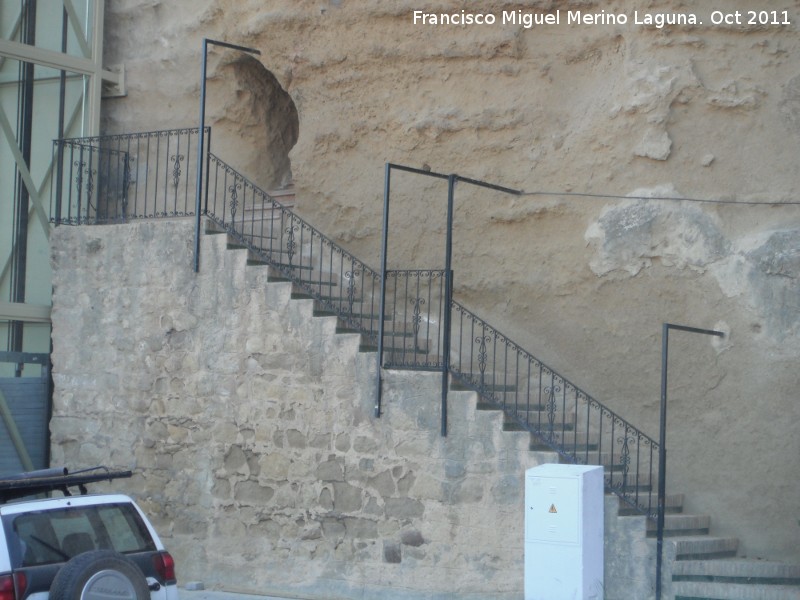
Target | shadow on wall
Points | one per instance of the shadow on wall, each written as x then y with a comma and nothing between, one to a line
254,120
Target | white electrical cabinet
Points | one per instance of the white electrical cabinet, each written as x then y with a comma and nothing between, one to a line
564,532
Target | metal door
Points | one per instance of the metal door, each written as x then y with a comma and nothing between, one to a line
25,414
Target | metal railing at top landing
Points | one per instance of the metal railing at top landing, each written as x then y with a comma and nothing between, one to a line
117,178
149,175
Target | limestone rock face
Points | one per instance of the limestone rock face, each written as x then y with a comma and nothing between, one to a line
639,112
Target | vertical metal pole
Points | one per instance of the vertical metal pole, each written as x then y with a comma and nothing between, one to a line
21,202
662,456
201,139
448,298
208,173
662,459
62,94
59,180
382,303
200,144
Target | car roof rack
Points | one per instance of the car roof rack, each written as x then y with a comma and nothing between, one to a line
44,481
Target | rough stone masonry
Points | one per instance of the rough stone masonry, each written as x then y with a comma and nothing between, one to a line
248,423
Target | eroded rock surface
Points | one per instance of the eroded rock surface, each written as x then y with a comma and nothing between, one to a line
692,112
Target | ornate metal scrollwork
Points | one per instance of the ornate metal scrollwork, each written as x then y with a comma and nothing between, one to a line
80,164
127,181
351,277
85,178
483,357
176,159
625,457
550,407
291,245
234,195
416,319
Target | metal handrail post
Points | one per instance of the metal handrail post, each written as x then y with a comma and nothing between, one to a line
200,143
201,138
448,297
382,302
662,455
448,274
208,173
59,180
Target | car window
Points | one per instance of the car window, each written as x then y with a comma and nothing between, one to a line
57,535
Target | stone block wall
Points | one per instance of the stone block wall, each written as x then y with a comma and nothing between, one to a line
249,426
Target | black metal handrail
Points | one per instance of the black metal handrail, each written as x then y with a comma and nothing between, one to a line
559,414
532,395
414,334
116,178
339,282
123,177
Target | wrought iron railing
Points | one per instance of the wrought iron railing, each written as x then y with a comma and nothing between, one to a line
150,175
559,414
115,178
413,335
338,282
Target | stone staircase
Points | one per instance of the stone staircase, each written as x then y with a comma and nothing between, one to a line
735,579
702,566
706,567
698,565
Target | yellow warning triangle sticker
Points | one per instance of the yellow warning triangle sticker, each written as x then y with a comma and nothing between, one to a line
552,509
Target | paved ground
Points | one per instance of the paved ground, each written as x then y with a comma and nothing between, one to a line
213,595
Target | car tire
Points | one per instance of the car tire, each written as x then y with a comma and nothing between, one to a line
97,575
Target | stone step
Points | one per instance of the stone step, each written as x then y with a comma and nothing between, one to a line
261,210
485,385
673,504
570,439
341,302
681,525
320,310
631,488
536,412
284,266
737,570
559,428
401,350
694,590
211,227
245,240
704,547
432,366
395,352
398,334
275,273
343,327
285,196
252,225
541,444
485,405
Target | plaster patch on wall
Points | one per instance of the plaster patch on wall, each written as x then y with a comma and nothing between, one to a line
655,144
772,282
731,96
763,269
627,237
652,87
790,105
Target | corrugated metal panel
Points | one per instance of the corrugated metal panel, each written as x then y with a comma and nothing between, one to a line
27,400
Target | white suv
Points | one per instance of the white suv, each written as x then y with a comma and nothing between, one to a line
87,547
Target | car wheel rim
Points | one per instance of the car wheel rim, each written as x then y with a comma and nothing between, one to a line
108,585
